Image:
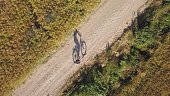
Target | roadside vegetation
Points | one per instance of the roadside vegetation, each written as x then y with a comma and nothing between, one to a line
137,64
30,30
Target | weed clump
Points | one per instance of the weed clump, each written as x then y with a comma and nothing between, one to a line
137,64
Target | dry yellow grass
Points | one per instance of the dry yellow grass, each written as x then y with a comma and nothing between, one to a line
30,30
154,76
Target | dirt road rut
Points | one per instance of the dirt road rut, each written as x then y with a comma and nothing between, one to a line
105,25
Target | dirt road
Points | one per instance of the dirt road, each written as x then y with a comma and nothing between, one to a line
105,25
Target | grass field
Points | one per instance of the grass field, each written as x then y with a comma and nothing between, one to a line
153,77
30,30
137,64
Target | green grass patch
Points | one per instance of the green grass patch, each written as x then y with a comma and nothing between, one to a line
142,52
153,75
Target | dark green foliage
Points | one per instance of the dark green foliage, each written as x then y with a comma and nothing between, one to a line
150,30
153,75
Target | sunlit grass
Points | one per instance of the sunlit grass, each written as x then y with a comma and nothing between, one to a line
138,63
30,30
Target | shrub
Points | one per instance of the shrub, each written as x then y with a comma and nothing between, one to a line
145,47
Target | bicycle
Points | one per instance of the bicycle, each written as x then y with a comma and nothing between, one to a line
76,49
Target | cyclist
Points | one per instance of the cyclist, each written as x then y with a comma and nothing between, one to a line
77,35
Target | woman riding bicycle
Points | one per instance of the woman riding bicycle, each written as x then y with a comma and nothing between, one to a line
79,46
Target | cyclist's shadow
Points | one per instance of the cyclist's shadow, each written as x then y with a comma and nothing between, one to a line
80,45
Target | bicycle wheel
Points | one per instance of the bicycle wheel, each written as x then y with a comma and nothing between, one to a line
83,47
76,58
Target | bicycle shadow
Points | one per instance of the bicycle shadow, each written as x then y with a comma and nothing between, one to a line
80,45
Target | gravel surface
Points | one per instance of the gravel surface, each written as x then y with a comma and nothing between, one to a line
105,25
